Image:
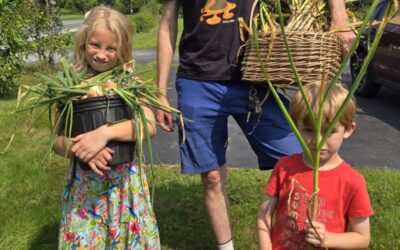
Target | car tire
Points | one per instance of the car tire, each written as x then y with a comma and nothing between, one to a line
366,88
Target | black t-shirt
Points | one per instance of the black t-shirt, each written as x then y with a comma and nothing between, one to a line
208,49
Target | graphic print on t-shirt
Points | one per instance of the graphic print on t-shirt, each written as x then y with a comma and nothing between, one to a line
294,221
215,11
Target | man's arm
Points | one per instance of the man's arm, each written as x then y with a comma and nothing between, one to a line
358,237
264,221
340,21
167,34
165,51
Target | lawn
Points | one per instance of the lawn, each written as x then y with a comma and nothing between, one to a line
148,40
69,17
30,194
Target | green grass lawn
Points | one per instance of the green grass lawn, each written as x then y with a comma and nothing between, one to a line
148,40
69,17
30,194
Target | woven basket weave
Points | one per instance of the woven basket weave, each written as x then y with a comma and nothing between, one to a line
313,53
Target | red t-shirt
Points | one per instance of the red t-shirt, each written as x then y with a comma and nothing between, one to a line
343,194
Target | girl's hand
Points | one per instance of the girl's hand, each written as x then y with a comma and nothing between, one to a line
100,161
316,236
87,145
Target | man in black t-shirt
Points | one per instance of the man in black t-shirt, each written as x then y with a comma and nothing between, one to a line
210,89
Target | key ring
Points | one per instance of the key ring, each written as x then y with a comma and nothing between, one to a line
252,91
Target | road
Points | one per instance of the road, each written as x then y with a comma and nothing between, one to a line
72,25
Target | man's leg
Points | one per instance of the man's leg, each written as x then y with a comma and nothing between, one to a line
204,150
217,203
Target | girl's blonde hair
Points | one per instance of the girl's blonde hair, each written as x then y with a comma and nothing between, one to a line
114,21
298,109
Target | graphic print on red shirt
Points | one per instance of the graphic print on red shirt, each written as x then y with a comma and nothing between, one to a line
343,194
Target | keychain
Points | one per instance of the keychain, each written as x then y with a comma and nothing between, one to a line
254,103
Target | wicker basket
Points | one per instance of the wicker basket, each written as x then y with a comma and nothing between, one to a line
313,53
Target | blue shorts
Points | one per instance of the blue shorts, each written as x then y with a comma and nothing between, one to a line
208,105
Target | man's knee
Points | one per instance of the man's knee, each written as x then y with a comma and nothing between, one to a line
214,179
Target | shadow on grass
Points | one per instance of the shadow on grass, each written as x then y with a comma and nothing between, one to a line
183,223
47,239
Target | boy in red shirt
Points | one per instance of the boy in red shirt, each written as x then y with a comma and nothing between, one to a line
343,201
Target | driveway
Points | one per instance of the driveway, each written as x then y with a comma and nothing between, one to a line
375,142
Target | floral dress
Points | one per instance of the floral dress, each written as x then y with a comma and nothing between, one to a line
108,212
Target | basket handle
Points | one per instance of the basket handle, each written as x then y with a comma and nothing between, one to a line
253,8
243,25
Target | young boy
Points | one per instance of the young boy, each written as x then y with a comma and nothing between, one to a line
343,201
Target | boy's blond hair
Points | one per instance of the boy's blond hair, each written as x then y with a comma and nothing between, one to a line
114,21
298,109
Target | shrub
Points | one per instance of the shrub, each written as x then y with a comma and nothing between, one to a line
27,26
133,25
82,6
142,22
13,37
45,28
154,7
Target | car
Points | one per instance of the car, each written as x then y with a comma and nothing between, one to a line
384,68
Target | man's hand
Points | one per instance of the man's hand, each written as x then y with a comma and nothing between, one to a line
163,117
347,38
340,24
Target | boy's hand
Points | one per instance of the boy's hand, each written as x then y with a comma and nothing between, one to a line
100,161
317,235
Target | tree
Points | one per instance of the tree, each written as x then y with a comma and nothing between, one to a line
82,6
126,6
45,29
27,26
13,37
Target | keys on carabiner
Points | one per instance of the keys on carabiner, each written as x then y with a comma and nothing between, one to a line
254,104
258,107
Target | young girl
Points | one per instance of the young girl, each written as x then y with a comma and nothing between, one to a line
344,208
105,208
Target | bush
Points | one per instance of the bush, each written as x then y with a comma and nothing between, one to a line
10,69
83,6
27,27
153,7
46,30
69,11
142,22
133,25
13,37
